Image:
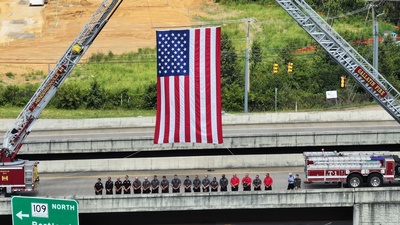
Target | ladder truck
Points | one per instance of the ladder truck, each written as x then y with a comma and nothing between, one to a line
353,168
19,175
345,55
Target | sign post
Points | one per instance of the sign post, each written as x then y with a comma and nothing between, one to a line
44,211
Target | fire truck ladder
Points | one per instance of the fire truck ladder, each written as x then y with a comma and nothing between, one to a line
15,136
344,54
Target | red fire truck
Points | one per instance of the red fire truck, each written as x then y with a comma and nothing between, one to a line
353,168
22,175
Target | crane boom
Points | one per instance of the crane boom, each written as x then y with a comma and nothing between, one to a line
15,136
345,55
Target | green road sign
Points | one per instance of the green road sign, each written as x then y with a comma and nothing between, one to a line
44,211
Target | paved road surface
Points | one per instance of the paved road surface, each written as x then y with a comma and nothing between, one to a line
67,184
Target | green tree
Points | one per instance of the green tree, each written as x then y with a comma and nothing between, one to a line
68,97
231,80
96,97
255,55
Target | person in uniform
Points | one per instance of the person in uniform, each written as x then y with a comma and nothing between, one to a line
155,184
290,182
206,184
223,183
235,183
137,186
164,185
98,187
118,186
146,186
297,182
187,184
109,186
196,184
268,182
246,182
176,184
127,185
257,183
214,185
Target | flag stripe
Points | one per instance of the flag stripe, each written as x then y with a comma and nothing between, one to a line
208,112
177,107
197,73
213,124
188,86
218,85
158,113
187,109
192,87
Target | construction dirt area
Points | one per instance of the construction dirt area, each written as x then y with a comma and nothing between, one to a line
32,38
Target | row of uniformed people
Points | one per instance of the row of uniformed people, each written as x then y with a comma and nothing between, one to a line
206,185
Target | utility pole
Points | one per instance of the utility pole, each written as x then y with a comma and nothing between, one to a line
247,68
375,32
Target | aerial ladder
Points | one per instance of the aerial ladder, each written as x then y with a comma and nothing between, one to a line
19,175
345,55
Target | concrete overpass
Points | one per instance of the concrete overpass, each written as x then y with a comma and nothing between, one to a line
244,138
370,205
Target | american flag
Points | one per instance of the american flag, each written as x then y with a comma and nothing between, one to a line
188,86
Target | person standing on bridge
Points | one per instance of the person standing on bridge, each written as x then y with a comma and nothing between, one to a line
196,184
268,181
187,184
146,186
297,182
223,183
155,184
164,185
98,187
127,185
235,182
257,183
118,186
290,182
137,186
176,184
109,186
246,182
214,185
206,184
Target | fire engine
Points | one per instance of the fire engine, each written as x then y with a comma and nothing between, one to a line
21,175
353,168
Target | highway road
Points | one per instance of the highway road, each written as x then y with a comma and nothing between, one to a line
366,126
69,184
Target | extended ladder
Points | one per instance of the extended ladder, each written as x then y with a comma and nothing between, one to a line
14,137
344,54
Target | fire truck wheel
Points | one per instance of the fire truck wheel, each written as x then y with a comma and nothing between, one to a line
354,181
375,180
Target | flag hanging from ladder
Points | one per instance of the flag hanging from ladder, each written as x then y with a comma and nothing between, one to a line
188,86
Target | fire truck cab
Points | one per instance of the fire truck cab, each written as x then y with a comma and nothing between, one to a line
353,168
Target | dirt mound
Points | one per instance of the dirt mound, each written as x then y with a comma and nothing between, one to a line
35,37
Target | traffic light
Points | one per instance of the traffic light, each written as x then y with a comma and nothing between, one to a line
290,67
275,71
342,81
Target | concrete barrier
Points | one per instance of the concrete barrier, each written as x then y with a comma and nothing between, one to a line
239,119
207,201
370,205
173,163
